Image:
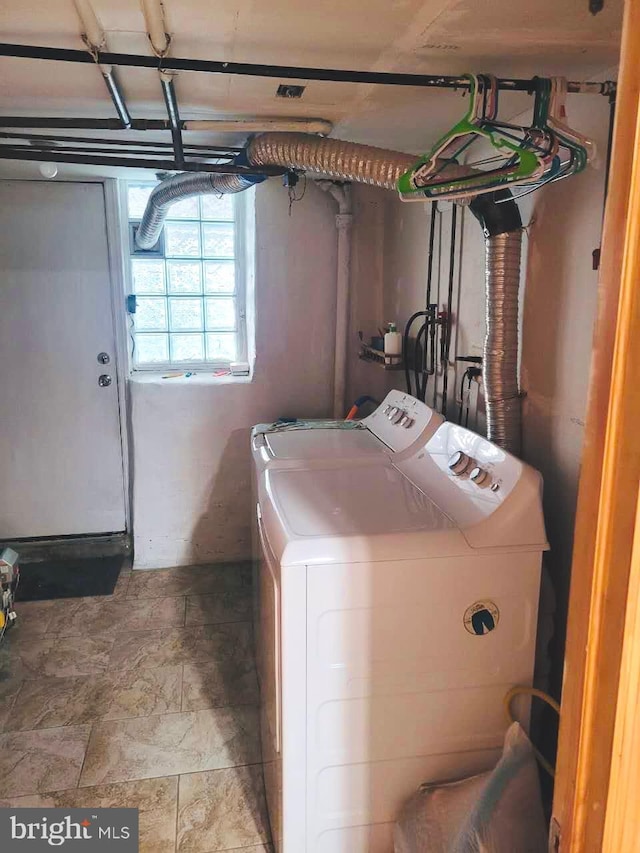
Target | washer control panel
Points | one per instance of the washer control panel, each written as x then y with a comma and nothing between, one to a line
401,420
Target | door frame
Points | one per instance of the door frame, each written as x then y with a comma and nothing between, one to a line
116,542
598,753
117,279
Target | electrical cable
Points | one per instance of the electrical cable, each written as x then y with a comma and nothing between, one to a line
469,381
540,694
419,364
405,347
461,405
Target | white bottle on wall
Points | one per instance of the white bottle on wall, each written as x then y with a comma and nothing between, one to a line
392,344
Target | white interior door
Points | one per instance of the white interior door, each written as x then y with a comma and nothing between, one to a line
61,469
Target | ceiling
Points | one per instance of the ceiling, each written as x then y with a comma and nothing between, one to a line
504,37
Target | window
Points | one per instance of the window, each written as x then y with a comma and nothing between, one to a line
189,289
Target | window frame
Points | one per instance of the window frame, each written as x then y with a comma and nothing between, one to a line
241,254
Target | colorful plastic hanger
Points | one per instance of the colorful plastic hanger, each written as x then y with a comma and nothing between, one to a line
520,163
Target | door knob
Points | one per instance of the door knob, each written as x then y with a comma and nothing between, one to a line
103,358
104,380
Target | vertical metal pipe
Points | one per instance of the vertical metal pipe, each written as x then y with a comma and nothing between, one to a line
432,238
116,96
446,330
171,104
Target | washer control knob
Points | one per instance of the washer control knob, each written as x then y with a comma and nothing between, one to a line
407,422
397,416
386,410
390,412
458,463
479,476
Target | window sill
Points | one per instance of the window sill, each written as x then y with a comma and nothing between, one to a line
151,377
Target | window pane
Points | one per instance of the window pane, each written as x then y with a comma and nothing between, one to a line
221,313
187,290
184,276
148,276
186,209
137,197
219,277
182,239
151,349
218,239
151,314
221,346
186,315
187,348
217,208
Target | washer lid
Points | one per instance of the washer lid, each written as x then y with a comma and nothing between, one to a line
324,443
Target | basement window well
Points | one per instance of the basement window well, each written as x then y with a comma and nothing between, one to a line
187,295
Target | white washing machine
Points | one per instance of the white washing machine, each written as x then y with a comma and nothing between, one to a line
395,429
398,604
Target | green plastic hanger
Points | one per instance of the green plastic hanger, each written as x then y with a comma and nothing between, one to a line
425,178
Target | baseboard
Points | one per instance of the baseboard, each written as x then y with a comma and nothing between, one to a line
72,547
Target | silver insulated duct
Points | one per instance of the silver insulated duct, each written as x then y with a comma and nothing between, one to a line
500,219
500,359
348,161
345,160
182,186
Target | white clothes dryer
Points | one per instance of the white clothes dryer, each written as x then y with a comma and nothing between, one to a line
398,604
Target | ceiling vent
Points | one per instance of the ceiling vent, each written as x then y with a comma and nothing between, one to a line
287,91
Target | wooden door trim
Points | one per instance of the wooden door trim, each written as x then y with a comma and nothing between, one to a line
608,490
622,823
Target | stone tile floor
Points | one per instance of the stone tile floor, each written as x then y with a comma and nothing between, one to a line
147,697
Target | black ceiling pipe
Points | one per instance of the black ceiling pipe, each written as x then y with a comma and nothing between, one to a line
8,152
287,72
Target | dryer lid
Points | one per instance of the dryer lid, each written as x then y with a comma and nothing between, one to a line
366,501
352,515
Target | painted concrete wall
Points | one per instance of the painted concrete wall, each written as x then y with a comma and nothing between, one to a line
191,459
391,242
558,303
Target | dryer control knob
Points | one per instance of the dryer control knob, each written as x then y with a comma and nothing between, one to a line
458,463
398,416
479,476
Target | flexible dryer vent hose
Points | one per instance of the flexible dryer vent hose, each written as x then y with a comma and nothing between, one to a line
500,219
365,164
181,186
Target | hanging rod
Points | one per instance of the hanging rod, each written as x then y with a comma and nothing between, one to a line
170,63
